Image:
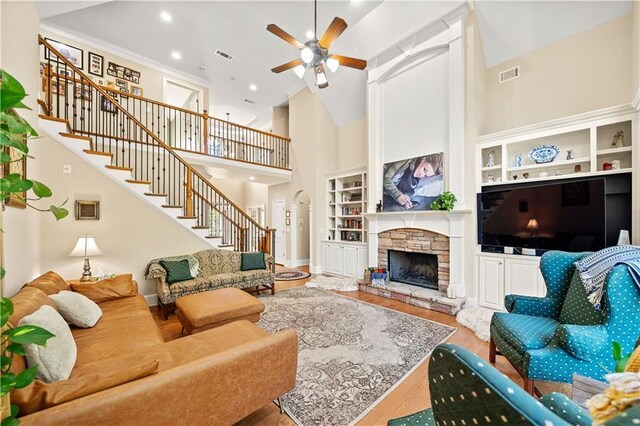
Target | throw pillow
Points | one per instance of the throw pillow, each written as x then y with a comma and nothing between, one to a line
77,309
108,289
50,283
576,308
27,301
39,395
56,360
251,261
176,270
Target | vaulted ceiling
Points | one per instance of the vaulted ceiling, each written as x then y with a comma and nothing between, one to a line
508,29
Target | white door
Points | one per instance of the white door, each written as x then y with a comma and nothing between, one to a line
278,222
521,277
491,282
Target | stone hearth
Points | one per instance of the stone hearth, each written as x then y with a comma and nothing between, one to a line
422,297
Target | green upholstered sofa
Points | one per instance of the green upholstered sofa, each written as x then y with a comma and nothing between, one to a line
216,268
467,390
550,338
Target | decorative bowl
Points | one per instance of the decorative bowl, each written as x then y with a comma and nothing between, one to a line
544,154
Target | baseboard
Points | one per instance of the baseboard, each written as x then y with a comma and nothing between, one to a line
471,303
152,299
296,263
315,269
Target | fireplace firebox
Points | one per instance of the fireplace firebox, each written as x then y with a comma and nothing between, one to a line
420,269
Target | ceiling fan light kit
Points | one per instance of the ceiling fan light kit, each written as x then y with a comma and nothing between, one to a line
314,54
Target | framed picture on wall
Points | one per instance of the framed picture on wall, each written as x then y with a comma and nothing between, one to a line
72,54
412,184
96,64
122,85
135,90
107,106
87,210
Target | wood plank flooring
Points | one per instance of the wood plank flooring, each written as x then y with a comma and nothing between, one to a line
410,396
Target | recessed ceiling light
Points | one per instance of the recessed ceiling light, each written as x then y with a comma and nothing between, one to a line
166,16
253,87
310,34
176,55
252,178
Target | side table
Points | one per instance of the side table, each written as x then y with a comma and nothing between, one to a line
584,388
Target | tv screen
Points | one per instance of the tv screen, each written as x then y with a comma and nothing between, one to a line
564,216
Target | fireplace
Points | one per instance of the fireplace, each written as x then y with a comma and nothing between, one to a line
420,269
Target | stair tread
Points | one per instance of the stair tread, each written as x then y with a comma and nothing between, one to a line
199,227
92,152
225,245
167,206
74,136
152,194
213,236
128,169
143,182
187,217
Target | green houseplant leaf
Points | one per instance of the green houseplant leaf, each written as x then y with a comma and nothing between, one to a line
40,189
25,377
617,351
11,92
30,334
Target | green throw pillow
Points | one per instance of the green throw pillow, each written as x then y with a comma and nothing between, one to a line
252,261
177,270
576,308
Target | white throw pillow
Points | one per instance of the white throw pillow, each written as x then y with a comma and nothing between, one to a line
77,309
55,360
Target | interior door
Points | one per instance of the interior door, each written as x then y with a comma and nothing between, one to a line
278,222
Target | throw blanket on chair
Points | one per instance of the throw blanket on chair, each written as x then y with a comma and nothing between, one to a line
593,269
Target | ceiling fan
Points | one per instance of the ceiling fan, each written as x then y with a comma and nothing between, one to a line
314,54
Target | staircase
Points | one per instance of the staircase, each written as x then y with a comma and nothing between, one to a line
91,121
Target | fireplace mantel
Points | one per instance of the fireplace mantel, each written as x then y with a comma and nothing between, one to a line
450,224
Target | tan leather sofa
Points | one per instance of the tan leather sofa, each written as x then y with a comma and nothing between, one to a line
218,376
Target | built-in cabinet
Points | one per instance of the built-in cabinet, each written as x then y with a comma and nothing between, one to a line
344,259
499,275
347,203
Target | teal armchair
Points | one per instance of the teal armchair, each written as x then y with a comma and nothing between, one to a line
550,338
466,390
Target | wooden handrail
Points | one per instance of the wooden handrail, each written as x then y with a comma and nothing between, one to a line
126,113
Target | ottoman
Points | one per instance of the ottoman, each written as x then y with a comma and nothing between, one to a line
201,311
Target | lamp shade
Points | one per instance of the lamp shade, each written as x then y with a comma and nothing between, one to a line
532,225
86,246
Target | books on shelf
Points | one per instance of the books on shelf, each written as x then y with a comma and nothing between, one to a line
354,184
351,211
351,236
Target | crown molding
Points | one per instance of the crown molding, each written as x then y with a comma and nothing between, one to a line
124,53
557,123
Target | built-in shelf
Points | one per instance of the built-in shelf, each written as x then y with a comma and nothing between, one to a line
344,211
488,169
551,164
613,151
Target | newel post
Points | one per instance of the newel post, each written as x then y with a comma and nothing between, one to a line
189,190
205,132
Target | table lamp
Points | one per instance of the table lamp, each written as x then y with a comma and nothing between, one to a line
532,226
85,247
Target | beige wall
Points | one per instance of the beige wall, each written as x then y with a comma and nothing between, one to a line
280,120
635,50
585,72
352,146
130,232
151,79
20,25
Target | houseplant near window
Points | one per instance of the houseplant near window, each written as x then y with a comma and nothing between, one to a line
14,131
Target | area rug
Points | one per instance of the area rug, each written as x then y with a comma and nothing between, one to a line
291,275
333,283
351,353
477,319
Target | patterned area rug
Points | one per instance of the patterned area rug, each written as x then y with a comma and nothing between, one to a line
334,283
351,353
291,275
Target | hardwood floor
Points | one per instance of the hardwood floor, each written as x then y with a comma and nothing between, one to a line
410,396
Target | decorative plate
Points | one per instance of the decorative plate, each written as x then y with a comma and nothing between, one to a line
544,154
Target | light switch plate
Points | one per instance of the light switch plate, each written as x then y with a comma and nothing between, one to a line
66,169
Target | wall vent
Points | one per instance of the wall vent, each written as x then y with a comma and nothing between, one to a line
509,74
224,55
249,101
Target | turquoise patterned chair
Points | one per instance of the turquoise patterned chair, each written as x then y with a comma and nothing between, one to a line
467,390
550,338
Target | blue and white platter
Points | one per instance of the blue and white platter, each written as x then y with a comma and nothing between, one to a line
544,154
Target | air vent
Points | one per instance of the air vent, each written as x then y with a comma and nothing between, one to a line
509,74
249,101
224,54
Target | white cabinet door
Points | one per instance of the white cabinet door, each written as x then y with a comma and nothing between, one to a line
521,276
361,261
326,258
350,261
491,282
337,259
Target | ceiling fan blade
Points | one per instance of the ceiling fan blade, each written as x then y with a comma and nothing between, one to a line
287,66
320,70
346,61
336,28
279,32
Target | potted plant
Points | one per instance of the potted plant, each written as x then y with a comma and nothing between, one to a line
14,131
445,201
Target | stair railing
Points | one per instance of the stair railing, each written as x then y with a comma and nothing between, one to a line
93,110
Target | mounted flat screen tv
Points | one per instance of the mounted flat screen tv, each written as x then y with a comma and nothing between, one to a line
567,216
